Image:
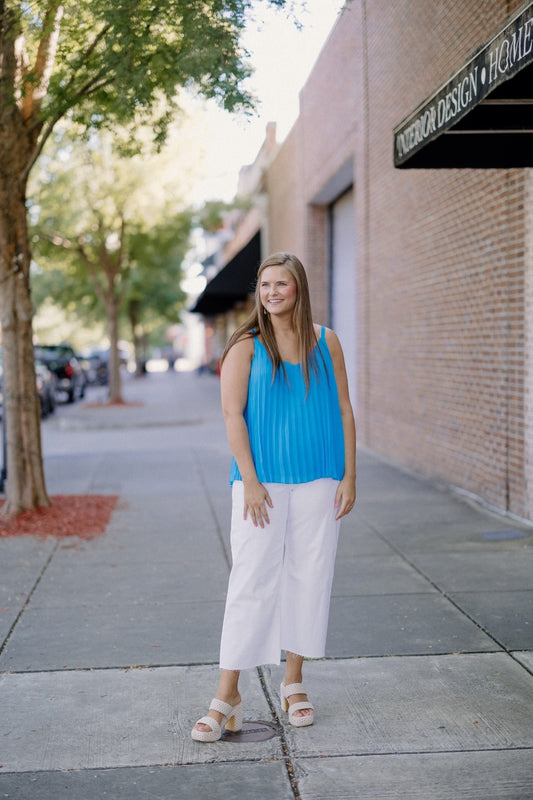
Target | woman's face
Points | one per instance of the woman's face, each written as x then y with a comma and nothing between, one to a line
277,290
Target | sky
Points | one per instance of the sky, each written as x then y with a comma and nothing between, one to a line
282,57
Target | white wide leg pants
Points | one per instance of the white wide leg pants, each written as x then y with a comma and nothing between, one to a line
280,583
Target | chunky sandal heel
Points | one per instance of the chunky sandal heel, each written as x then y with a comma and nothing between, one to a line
285,692
232,721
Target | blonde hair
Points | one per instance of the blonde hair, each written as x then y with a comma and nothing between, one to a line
258,321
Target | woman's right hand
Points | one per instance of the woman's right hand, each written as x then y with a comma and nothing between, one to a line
256,502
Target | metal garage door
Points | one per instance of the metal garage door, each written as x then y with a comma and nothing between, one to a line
343,277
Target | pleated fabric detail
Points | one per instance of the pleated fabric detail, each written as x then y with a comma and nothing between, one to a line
294,438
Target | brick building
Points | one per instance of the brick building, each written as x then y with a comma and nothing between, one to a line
416,228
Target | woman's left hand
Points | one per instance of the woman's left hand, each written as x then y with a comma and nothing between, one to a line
345,497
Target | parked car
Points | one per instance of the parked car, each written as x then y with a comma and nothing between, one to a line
96,368
61,360
96,364
46,382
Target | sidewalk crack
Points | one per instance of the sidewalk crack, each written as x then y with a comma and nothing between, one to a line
436,586
285,749
28,598
220,537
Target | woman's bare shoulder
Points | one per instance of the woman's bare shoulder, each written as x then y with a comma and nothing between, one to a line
333,342
330,335
243,347
318,330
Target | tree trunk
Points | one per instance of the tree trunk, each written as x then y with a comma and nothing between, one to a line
22,420
137,336
26,488
115,380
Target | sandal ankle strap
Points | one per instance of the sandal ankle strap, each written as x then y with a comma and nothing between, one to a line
293,688
221,706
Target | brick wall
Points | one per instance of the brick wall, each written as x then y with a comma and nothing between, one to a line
446,266
441,253
528,344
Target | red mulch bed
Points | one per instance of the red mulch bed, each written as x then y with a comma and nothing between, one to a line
85,516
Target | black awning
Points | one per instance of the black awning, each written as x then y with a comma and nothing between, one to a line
483,115
233,283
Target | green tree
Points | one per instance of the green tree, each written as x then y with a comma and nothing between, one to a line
98,63
119,240
154,291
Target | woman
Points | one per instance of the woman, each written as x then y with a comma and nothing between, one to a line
291,430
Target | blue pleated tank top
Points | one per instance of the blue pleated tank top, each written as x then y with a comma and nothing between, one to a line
294,438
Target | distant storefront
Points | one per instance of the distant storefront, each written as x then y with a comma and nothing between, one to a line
233,284
406,188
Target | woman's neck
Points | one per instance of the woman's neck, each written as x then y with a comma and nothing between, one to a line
282,327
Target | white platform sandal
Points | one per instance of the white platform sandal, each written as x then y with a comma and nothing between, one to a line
298,721
232,721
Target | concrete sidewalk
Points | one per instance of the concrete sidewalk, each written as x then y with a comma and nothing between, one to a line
109,647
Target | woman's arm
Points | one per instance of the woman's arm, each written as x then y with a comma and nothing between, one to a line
346,492
234,377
